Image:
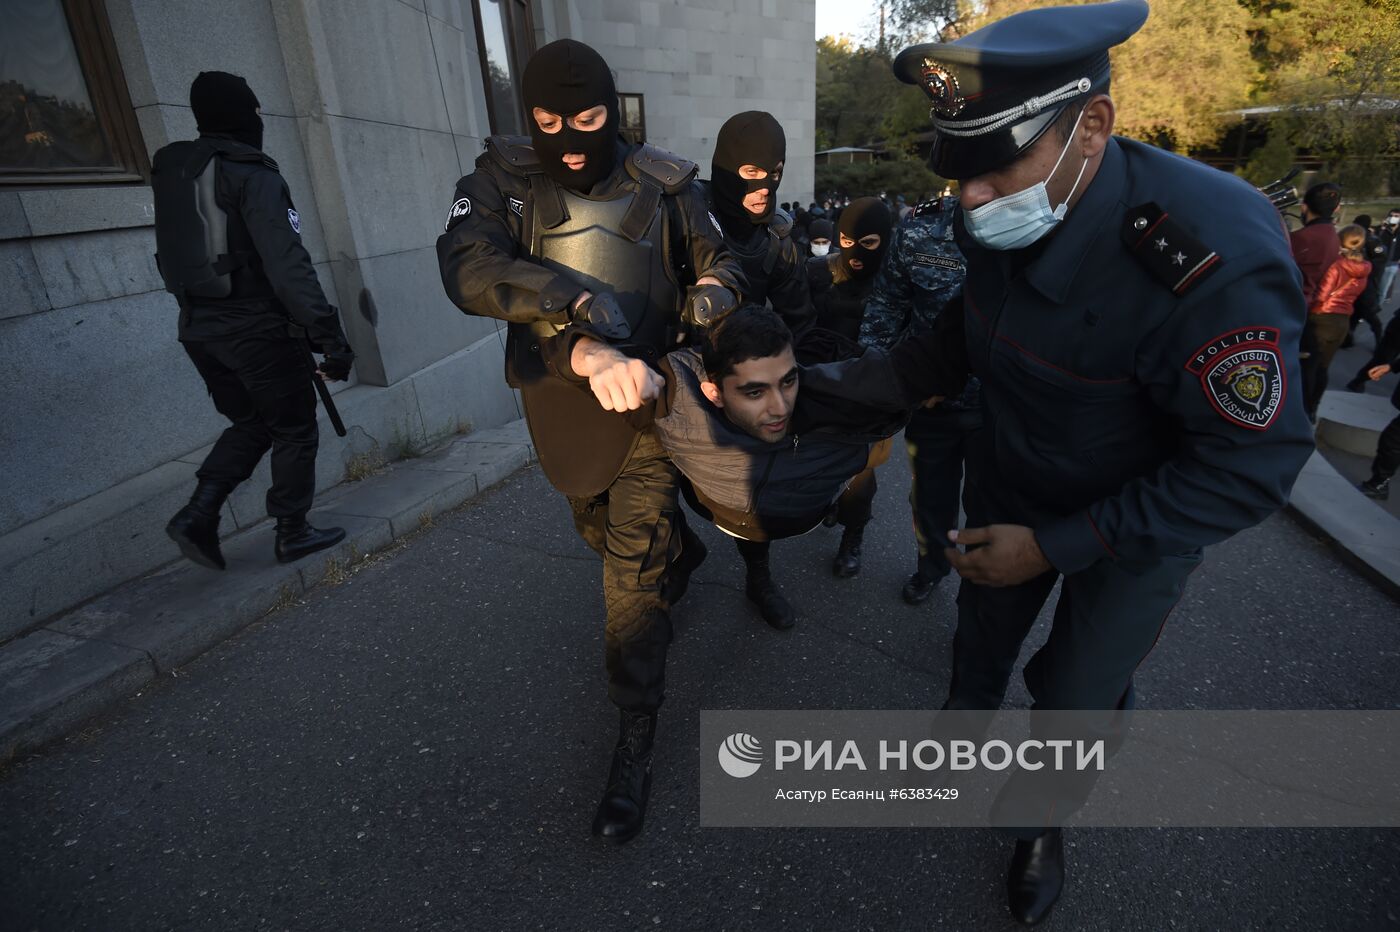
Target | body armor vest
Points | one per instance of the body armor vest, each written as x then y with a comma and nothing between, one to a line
616,244
590,246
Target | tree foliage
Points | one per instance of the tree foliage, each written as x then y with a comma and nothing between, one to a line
902,174
1332,68
1176,80
1327,73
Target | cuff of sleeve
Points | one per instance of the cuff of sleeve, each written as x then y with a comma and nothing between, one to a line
557,352
1073,543
557,297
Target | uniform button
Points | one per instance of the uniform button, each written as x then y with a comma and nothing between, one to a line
534,347
1140,223
548,305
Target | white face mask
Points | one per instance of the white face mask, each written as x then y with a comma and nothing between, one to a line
821,249
1017,220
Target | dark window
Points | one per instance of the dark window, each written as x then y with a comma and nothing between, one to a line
505,38
633,122
65,116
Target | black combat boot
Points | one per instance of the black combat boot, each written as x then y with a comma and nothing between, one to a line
195,528
1376,487
677,581
918,588
847,562
297,539
764,593
624,804
1036,877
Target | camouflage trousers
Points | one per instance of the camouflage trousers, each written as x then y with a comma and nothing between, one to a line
636,526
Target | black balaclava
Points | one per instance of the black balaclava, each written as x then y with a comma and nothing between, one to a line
863,216
567,77
224,105
749,138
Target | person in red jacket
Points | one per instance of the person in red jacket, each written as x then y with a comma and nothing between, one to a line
1315,245
1330,310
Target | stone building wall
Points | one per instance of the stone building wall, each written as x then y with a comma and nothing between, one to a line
373,109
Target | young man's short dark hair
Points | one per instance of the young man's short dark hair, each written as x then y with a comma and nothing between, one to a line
1323,199
748,332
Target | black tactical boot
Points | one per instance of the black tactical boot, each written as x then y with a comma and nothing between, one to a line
624,804
918,588
693,553
1036,877
1376,487
847,562
195,528
765,594
297,539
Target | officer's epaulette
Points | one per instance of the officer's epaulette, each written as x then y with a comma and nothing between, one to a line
1172,255
671,171
928,207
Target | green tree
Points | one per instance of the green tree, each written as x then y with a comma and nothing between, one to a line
903,174
1176,80
1332,68
854,87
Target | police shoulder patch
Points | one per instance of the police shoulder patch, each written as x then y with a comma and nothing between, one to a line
1171,255
460,208
1242,375
295,220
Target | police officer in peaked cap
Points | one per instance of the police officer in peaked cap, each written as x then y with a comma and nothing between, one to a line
1139,372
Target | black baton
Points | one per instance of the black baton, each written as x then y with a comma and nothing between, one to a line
321,388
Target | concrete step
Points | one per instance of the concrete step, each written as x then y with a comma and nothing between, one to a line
1353,422
1367,535
78,663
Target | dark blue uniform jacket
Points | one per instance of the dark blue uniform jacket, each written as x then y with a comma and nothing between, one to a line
1140,382
1129,414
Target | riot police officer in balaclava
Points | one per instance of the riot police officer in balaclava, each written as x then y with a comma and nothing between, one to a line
229,249
747,168
840,283
573,231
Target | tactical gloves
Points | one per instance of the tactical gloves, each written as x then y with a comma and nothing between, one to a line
336,366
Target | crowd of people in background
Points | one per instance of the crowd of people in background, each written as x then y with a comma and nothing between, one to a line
1348,276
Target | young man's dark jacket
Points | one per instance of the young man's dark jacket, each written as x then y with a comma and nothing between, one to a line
765,491
773,264
506,254
276,281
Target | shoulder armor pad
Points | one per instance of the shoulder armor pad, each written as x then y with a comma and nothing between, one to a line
671,171
1171,255
781,224
252,158
516,154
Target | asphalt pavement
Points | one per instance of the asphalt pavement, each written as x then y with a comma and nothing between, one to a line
421,746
